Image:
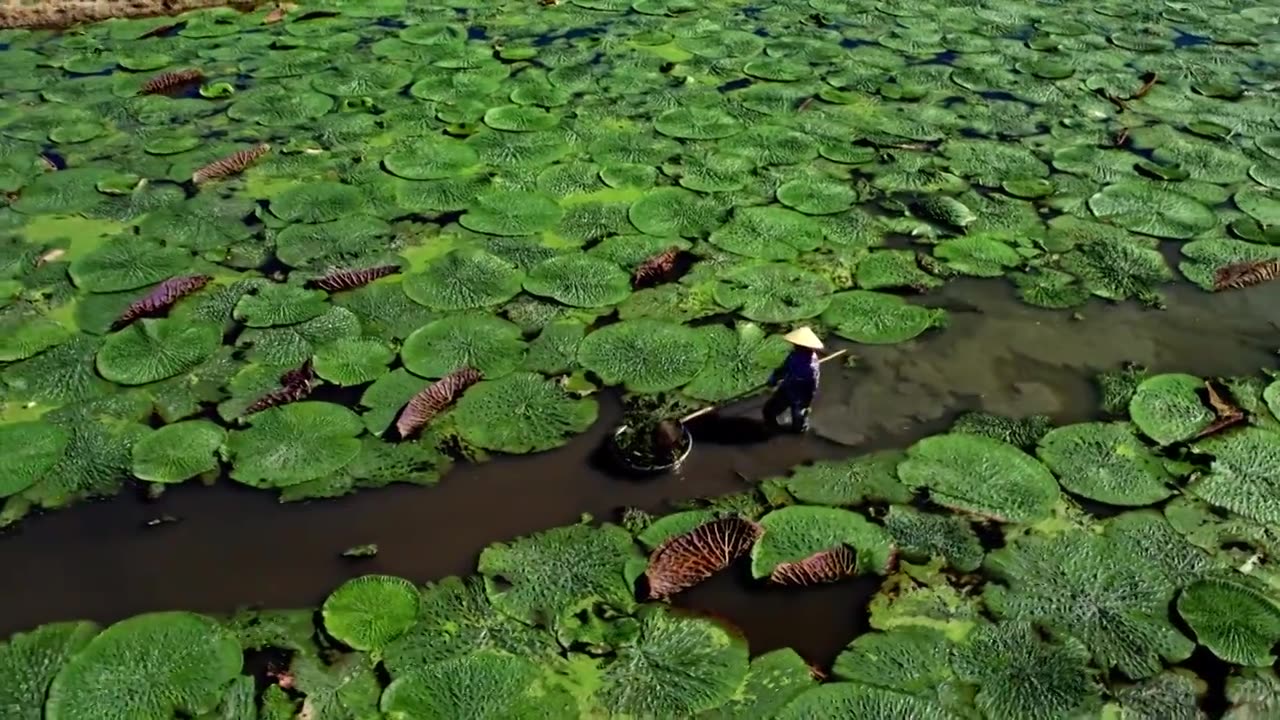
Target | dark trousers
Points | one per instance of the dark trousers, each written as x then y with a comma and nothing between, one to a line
794,396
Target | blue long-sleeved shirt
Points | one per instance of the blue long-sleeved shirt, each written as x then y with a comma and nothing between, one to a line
800,368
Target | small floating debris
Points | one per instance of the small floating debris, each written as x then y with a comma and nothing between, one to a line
162,520
361,551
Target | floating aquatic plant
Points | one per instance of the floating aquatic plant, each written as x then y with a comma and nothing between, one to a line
434,399
161,298
685,560
232,164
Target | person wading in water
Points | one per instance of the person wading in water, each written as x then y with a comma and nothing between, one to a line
797,381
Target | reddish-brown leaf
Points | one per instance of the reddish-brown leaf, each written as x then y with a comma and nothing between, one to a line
295,385
826,566
167,81
1244,274
161,298
433,400
1149,81
656,270
686,560
336,280
232,164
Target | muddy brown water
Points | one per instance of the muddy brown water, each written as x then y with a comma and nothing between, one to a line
236,547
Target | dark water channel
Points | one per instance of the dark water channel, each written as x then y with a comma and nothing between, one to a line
235,546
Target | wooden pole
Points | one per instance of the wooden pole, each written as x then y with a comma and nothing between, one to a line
711,408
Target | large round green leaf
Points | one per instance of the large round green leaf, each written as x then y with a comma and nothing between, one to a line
512,212
644,355
370,611
150,667
795,533
878,318
29,661
521,413
579,280
151,350
922,536
980,475
697,123
1146,208
66,192
464,279
321,244
1260,205
276,106
126,263
27,451
317,202
871,477
668,211
1238,623
178,452
486,343
483,685
1018,675
24,335
279,304
856,700
679,667
1242,477
1167,409
817,195
768,233
739,360
520,118
1090,588
293,444
353,361
773,292
545,578
1105,462
431,158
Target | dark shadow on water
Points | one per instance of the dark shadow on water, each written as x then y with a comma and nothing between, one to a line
730,430
816,621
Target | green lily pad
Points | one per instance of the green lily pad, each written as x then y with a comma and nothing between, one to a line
152,350
579,281
697,123
149,667
817,196
768,233
739,359
521,413
1105,462
976,474
1167,408
353,361
293,443
178,452
1147,209
773,292
512,213
464,279
27,451
644,355
431,158
877,318
486,343
318,202
369,612
1238,623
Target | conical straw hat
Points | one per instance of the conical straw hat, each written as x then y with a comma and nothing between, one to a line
804,337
